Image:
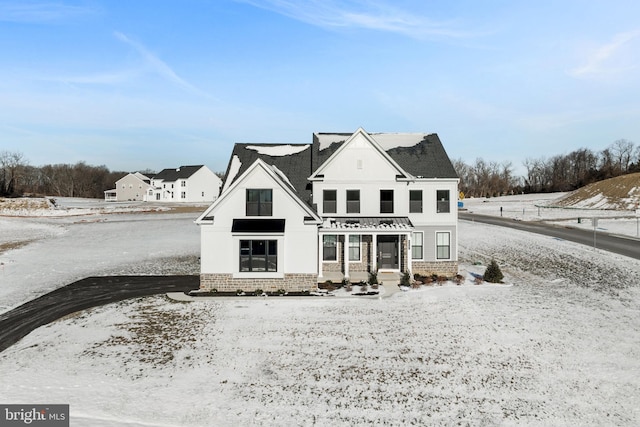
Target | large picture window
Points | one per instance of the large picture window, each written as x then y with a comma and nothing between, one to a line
443,245
415,201
258,255
386,201
353,201
329,201
354,247
259,202
442,202
329,247
417,243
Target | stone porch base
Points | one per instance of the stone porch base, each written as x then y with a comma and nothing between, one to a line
442,268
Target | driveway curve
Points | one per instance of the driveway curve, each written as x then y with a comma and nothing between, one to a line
86,293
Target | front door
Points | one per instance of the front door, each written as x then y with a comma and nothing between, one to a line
388,252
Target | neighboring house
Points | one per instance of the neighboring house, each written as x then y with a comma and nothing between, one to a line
132,186
184,184
290,216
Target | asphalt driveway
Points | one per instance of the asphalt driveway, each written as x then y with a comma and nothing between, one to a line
86,293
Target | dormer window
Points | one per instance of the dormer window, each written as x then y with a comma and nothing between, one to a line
353,201
259,202
442,202
329,201
415,201
386,201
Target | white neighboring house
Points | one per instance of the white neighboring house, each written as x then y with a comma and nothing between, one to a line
133,186
186,184
291,216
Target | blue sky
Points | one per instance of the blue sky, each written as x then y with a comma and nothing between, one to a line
154,84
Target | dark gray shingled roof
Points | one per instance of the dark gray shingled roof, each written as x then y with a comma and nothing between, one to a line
427,159
421,155
296,167
183,172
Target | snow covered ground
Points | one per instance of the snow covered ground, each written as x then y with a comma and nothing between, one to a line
558,344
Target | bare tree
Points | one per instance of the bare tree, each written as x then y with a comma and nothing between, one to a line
622,153
12,165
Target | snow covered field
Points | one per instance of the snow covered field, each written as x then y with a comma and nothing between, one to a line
557,345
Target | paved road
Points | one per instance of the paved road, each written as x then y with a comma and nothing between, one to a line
622,245
90,292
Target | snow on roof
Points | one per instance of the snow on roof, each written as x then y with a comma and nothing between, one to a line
234,168
386,140
282,175
141,176
326,139
393,140
277,150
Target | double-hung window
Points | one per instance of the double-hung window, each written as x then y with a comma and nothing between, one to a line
417,243
415,201
354,247
258,255
443,245
353,201
329,247
442,201
259,202
329,201
386,201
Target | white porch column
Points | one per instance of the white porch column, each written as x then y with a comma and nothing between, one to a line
409,255
345,253
320,254
374,253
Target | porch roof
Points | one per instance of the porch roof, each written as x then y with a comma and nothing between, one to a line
367,224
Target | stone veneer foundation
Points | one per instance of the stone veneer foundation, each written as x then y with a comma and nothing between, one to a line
290,283
441,268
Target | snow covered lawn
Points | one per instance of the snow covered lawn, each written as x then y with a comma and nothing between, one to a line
559,344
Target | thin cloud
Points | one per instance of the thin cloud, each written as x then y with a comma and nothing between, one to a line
157,65
26,12
360,14
609,58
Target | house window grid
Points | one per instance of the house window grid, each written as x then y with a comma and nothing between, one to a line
183,183
417,245
258,255
443,245
330,247
329,201
355,248
442,201
353,201
386,201
183,195
259,202
415,201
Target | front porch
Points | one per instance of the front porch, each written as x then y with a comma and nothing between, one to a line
351,248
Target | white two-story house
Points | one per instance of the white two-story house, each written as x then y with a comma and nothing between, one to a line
186,184
291,216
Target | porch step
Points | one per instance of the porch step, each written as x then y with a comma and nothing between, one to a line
389,278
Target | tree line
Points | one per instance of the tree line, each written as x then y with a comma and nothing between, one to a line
18,178
563,172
